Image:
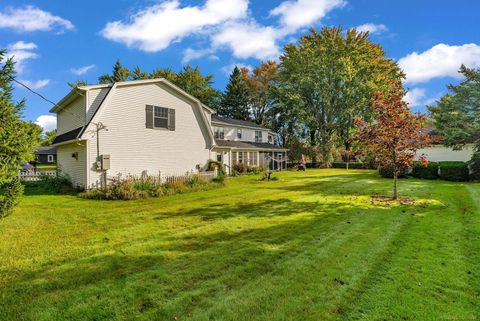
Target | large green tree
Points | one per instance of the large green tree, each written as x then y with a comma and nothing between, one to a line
48,137
200,86
234,102
457,114
329,77
18,138
259,83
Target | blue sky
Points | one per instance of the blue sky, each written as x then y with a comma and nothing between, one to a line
59,41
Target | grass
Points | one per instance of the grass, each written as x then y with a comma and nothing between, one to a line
314,245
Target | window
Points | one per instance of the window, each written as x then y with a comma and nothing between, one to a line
270,139
234,158
258,136
240,157
239,133
219,132
252,159
50,158
160,117
219,157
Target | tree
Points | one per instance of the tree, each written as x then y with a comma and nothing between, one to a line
77,83
234,102
119,73
396,133
18,139
457,114
259,85
48,137
139,74
199,86
329,78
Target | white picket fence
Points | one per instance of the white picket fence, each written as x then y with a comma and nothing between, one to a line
35,176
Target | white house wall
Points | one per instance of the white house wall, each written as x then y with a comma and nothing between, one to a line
133,148
95,98
248,135
442,153
74,168
72,116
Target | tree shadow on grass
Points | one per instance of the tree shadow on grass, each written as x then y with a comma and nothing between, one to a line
182,271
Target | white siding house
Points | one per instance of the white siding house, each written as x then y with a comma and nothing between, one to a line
143,126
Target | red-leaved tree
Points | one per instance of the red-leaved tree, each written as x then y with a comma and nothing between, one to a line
396,133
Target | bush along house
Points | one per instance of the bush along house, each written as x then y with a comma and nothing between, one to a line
151,126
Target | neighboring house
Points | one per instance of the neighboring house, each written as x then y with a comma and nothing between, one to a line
437,153
147,126
239,141
46,155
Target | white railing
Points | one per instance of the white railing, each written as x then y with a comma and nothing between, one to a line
35,176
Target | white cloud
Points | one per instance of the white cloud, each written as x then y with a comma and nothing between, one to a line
372,28
39,84
82,70
418,97
30,18
47,122
225,23
190,54
21,51
227,70
248,40
439,61
303,13
156,27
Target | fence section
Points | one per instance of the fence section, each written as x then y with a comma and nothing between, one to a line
35,176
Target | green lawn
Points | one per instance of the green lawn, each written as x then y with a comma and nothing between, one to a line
314,245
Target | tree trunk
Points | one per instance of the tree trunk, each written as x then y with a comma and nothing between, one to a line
395,191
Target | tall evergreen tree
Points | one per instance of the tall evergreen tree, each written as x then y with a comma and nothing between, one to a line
234,102
18,139
119,73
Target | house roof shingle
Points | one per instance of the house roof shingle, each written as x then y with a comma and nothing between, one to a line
46,150
71,135
247,145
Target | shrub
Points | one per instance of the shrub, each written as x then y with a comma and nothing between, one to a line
425,172
212,164
388,172
60,184
454,171
352,165
10,197
256,169
240,168
475,166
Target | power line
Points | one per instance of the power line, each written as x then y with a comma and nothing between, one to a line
43,97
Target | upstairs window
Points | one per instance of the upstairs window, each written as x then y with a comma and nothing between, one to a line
239,133
160,117
258,136
219,132
270,139
50,158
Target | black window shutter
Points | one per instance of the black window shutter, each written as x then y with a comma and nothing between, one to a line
171,119
149,116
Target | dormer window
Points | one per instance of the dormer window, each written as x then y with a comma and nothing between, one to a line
270,139
219,132
239,133
258,136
